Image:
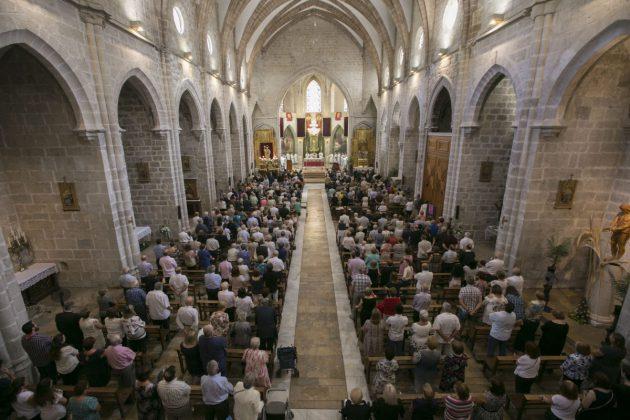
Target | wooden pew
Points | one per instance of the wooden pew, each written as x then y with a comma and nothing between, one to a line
159,333
449,294
529,402
206,307
407,399
481,333
498,363
112,394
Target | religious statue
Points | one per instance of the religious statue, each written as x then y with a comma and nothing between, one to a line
320,155
620,231
267,152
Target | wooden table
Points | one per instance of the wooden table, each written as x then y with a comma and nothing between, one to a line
37,281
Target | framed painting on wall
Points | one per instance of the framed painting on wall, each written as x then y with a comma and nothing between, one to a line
68,195
144,174
186,163
565,194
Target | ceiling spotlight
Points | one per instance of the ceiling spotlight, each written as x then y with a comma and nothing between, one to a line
136,25
188,55
497,19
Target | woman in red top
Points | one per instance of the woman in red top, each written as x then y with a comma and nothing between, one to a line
388,305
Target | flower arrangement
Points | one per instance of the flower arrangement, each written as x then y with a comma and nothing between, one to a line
20,249
165,231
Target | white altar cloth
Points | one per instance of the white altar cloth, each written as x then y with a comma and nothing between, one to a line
142,232
35,273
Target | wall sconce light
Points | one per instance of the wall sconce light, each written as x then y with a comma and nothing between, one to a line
136,25
497,19
442,52
188,55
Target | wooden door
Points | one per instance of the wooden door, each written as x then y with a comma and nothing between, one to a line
435,171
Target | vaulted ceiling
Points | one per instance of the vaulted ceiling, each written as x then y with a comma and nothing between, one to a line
373,25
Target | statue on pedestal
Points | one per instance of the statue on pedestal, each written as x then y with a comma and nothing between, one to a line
620,232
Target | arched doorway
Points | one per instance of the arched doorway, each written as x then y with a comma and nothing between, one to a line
484,170
147,160
237,151
393,146
410,149
437,152
52,182
219,152
193,155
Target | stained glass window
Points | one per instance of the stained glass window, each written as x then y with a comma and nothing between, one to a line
313,97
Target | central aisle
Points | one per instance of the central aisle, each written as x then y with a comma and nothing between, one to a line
322,382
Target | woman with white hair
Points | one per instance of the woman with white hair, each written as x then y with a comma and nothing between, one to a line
256,363
247,402
421,331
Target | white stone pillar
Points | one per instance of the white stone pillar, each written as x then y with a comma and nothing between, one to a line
12,316
601,294
422,147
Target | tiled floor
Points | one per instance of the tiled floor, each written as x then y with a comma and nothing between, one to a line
322,382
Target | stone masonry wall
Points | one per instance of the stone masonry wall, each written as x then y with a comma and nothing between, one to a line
480,202
38,150
153,200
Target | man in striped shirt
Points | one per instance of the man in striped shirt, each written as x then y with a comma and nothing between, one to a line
37,346
175,395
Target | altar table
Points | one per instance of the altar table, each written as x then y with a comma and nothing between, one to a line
37,281
314,162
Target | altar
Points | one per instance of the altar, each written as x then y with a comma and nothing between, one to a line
37,281
313,162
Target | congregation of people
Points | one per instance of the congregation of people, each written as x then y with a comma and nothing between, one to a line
400,261
234,260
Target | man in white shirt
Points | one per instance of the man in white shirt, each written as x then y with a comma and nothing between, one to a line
446,325
424,277
159,306
126,279
396,330
516,280
495,265
179,285
277,263
184,237
232,254
195,220
168,265
187,315
465,241
424,247
502,324
345,219
247,402
213,246
175,395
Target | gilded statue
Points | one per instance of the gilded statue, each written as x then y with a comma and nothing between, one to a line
267,152
620,231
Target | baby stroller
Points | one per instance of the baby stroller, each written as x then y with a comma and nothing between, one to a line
277,406
287,356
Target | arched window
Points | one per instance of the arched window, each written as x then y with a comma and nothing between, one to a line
313,97
178,18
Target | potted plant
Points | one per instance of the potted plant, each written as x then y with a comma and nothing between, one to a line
557,250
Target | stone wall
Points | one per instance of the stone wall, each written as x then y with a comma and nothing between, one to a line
479,202
153,199
39,150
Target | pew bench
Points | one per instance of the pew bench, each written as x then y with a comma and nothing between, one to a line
500,363
111,394
526,403
404,363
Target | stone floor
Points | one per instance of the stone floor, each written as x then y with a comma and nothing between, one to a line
322,376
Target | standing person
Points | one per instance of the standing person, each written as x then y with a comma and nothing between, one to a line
576,366
388,406
609,356
454,367
137,298
598,402
21,399
550,280
426,360
396,331
492,303
159,306
459,406
134,331
372,333
92,327
175,395
189,348
366,305
146,397
67,323
421,331
158,251
49,401
385,372
360,282
554,335
447,326
527,368
470,300
121,361
266,320
424,408
256,363
168,265
179,285
113,323
495,400
37,347
215,390
187,315
66,360
565,404
95,367
355,407
83,406
247,402
213,347
212,281
502,324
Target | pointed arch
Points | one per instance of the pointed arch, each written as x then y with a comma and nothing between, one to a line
216,116
413,114
62,72
146,88
188,93
313,96
568,78
442,96
396,114
486,84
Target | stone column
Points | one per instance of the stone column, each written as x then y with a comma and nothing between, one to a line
179,197
601,296
206,199
467,132
422,146
12,316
